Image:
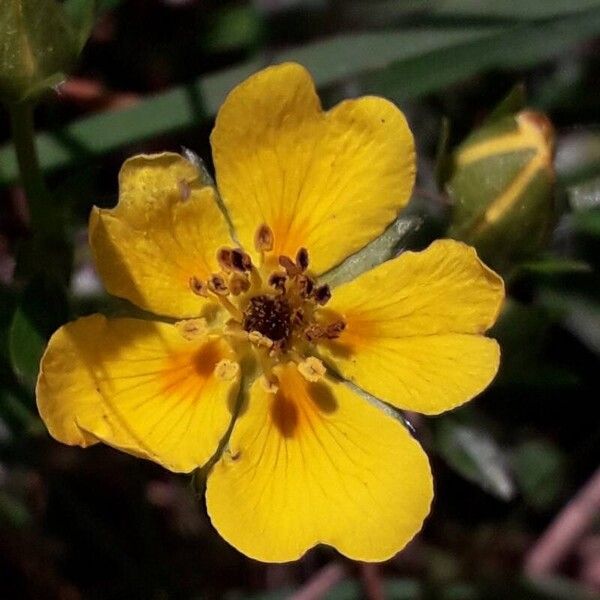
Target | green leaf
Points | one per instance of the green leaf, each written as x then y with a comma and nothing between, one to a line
232,28
443,156
13,511
513,46
516,9
588,222
555,265
41,309
424,59
82,14
473,453
539,472
580,315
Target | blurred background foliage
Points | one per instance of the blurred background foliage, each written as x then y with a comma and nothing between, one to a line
515,514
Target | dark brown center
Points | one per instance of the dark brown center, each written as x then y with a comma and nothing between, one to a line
270,316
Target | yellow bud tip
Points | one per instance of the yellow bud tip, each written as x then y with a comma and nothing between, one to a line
312,369
539,122
226,370
192,329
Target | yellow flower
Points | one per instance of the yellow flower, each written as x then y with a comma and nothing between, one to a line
256,362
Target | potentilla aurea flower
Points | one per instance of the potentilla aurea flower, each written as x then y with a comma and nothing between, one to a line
246,367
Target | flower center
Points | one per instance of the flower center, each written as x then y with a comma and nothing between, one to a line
270,316
274,306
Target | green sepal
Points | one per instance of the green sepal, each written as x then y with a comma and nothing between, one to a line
512,103
374,253
39,44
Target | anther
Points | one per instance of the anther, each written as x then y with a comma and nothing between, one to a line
238,284
289,265
302,259
269,385
224,258
297,317
217,285
263,239
335,329
277,281
312,369
240,261
314,332
226,370
306,286
198,286
256,337
322,294
192,329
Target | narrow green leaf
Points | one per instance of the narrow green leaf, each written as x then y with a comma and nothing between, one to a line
516,9
82,14
443,156
475,455
41,309
539,472
554,265
232,28
514,46
424,59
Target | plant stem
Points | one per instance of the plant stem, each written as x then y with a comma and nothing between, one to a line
23,134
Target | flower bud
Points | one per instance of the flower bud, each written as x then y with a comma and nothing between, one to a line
502,188
39,44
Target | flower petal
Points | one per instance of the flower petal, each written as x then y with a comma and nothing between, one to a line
314,463
138,386
414,328
328,181
165,229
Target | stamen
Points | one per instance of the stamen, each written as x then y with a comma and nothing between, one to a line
192,329
277,280
314,332
198,286
224,258
302,259
289,265
240,261
306,286
335,329
217,285
256,337
269,385
312,369
297,317
226,370
322,294
238,284
263,239
231,308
